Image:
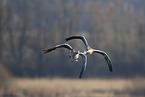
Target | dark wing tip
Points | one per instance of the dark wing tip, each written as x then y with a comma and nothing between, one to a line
44,51
110,68
49,50
80,76
67,39
109,62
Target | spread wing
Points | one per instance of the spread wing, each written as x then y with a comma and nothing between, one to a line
78,37
84,64
65,45
106,58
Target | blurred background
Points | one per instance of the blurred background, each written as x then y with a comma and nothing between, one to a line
27,27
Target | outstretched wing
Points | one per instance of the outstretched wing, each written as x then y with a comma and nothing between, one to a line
65,45
106,58
78,37
84,64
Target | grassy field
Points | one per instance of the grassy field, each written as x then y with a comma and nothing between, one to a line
26,87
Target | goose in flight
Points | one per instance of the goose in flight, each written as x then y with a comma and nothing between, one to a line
73,54
89,50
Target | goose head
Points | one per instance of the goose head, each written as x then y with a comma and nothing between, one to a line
74,55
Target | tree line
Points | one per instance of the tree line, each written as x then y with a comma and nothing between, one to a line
29,26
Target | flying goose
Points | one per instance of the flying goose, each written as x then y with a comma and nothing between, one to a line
73,54
89,50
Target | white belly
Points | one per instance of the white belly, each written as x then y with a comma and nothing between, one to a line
90,51
76,56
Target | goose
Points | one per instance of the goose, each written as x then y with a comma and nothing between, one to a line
73,54
89,50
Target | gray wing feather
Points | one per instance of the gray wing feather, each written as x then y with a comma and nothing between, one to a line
84,64
78,37
65,45
106,58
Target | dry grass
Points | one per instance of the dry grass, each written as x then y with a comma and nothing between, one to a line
26,87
